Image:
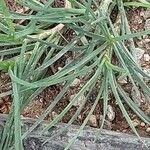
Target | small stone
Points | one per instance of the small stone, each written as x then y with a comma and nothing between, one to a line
54,114
136,122
41,100
146,57
75,82
133,116
148,129
78,101
139,53
147,71
93,120
110,113
142,124
142,13
59,68
137,19
68,60
136,96
147,40
147,110
36,116
146,14
80,117
147,24
140,43
123,81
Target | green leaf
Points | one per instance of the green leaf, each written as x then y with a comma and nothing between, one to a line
8,18
6,64
134,106
112,82
137,4
79,131
17,115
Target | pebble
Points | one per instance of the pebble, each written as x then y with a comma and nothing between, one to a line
93,120
142,13
146,14
147,40
68,60
75,82
137,19
110,113
78,101
41,100
148,129
37,116
59,68
142,124
136,122
139,53
54,114
147,71
147,24
136,96
146,57
140,43
133,116
123,81
80,117
147,110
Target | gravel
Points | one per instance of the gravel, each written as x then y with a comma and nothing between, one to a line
93,120
139,53
110,113
146,57
147,24
78,101
75,82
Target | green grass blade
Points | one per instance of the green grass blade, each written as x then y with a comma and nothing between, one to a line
63,129
5,64
15,50
134,106
137,4
84,88
79,131
47,111
105,103
122,108
8,18
17,119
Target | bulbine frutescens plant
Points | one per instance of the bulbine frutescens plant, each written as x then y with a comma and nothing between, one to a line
97,41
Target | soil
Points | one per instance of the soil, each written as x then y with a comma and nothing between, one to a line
36,108
5,102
